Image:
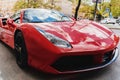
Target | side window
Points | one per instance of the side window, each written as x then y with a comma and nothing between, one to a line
17,21
16,17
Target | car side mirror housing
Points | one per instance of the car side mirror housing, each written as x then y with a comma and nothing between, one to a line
10,21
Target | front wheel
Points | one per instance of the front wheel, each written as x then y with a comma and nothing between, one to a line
21,53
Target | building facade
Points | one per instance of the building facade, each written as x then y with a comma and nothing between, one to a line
6,6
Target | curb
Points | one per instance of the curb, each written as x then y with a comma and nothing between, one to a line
112,26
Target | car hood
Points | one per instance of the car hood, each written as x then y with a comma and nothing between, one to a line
80,33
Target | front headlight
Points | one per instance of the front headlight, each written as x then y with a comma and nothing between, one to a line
55,40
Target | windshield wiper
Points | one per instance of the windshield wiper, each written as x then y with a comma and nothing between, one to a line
36,21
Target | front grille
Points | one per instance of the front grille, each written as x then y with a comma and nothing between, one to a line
108,56
71,63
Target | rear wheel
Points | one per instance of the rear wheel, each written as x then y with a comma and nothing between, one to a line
21,53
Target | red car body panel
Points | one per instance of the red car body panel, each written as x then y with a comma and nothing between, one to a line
86,38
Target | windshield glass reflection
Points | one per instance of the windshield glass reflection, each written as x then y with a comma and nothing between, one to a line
43,15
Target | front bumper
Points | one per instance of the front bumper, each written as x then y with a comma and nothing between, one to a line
113,56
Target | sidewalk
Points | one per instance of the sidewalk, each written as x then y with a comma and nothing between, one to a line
112,26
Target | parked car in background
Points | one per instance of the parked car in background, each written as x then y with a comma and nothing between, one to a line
118,21
108,21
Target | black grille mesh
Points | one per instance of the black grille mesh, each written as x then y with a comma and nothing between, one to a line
70,63
73,63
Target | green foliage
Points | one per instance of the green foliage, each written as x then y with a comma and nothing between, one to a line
87,10
115,7
21,4
72,1
102,9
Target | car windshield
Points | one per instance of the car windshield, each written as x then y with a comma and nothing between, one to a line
43,15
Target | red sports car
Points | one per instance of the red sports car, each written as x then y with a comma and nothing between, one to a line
52,42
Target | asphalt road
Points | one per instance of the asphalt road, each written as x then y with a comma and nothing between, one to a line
10,71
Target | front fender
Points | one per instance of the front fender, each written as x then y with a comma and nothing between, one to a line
39,49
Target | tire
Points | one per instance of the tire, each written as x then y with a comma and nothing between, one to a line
20,49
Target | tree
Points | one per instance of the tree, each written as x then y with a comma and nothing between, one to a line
77,9
21,4
115,7
95,10
87,10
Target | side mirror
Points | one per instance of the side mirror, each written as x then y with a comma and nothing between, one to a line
10,21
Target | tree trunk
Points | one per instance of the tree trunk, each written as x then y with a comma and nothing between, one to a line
28,1
95,10
77,9
52,2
